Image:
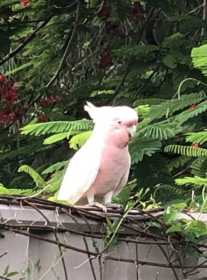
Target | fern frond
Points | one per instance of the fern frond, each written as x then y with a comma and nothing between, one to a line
160,131
14,191
199,58
54,183
30,149
178,162
78,140
169,107
37,178
197,137
195,181
148,101
186,150
199,167
56,138
143,146
56,127
191,113
168,192
143,110
55,167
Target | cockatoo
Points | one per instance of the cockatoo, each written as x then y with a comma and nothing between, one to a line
100,168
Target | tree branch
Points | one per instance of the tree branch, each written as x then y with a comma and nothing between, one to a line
25,42
70,40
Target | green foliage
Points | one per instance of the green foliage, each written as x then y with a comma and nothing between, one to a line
186,150
193,181
178,223
199,167
15,191
38,129
199,58
143,146
66,55
38,180
197,137
55,167
172,106
78,140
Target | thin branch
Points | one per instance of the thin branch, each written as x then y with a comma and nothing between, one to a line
35,236
169,262
137,261
70,40
3,254
25,42
61,254
203,29
127,71
4,278
90,260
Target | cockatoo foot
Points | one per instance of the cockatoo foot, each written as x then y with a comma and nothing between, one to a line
113,205
98,205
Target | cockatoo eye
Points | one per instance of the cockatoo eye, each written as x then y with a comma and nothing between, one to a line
119,122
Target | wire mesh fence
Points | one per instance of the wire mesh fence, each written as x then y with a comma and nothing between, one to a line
41,239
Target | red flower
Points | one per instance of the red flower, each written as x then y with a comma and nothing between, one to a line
10,95
104,11
192,107
137,11
7,117
2,78
49,100
42,117
195,145
24,3
105,59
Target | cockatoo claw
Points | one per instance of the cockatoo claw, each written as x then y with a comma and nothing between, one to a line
99,205
113,205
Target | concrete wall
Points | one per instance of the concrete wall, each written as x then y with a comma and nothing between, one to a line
37,259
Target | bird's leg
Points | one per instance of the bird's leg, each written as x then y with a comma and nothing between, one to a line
91,202
90,197
108,198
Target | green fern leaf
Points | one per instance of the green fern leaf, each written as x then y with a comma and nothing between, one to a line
160,131
37,178
53,184
56,138
195,181
169,107
186,150
197,137
78,140
199,58
143,146
30,149
199,167
13,191
55,167
56,127
178,162
191,113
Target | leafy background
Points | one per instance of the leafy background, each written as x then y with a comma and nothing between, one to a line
151,55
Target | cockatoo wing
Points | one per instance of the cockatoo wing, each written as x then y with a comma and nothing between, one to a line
80,174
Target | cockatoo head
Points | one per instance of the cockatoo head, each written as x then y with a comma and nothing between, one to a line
118,120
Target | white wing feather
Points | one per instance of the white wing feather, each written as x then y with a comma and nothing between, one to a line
81,173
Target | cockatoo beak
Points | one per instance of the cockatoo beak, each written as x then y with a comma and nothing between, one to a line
132,130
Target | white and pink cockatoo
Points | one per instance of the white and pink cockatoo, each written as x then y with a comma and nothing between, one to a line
101,166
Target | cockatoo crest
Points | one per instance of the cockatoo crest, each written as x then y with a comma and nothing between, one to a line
91,110
106,114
